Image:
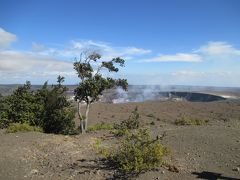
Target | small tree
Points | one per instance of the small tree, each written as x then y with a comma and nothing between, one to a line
58,113
93,83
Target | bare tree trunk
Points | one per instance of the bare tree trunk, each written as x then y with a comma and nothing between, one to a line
86,118
82,129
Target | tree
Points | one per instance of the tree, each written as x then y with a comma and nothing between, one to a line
58,113
93,83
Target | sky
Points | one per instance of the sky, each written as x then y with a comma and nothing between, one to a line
164,42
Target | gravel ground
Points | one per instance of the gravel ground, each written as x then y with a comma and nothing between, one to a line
210,151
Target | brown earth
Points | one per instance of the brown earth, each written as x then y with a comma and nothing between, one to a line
210,151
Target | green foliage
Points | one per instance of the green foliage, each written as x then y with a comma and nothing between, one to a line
96,143
100,148
58,113
101,126
138,153
22,127
93,83
4,122
131,123
190,121
20,107
46,108
120,132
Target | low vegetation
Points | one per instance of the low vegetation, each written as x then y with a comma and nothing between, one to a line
125,126
100,126
46,108
119,129
136,153
190,121
22,127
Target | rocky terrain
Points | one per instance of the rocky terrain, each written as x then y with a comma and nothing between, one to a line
208,151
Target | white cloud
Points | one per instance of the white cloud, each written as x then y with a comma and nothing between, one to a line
218,48
86,44
135,51
43,61
13,62
212,51
179,57
187,77
6,38
109,51
76,47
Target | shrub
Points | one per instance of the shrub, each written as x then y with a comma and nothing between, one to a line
58,113
47,108
131,123
98,146
4,122
138,153
120,132
96,143
20,107
22,127
190,121
101,126
59,121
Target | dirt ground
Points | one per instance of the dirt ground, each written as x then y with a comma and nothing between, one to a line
210,151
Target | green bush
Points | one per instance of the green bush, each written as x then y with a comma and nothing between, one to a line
4,122
101,126
190,121
46,108
120,132
138,153
58,114
59,121
131,123
22,127
20,107
97,145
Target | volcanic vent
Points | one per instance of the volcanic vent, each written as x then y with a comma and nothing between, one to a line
151,93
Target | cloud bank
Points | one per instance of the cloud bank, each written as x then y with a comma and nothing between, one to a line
213,63
42,63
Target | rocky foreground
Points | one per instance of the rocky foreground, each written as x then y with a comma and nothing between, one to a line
208,151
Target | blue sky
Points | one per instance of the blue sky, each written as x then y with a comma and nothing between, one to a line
187,42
